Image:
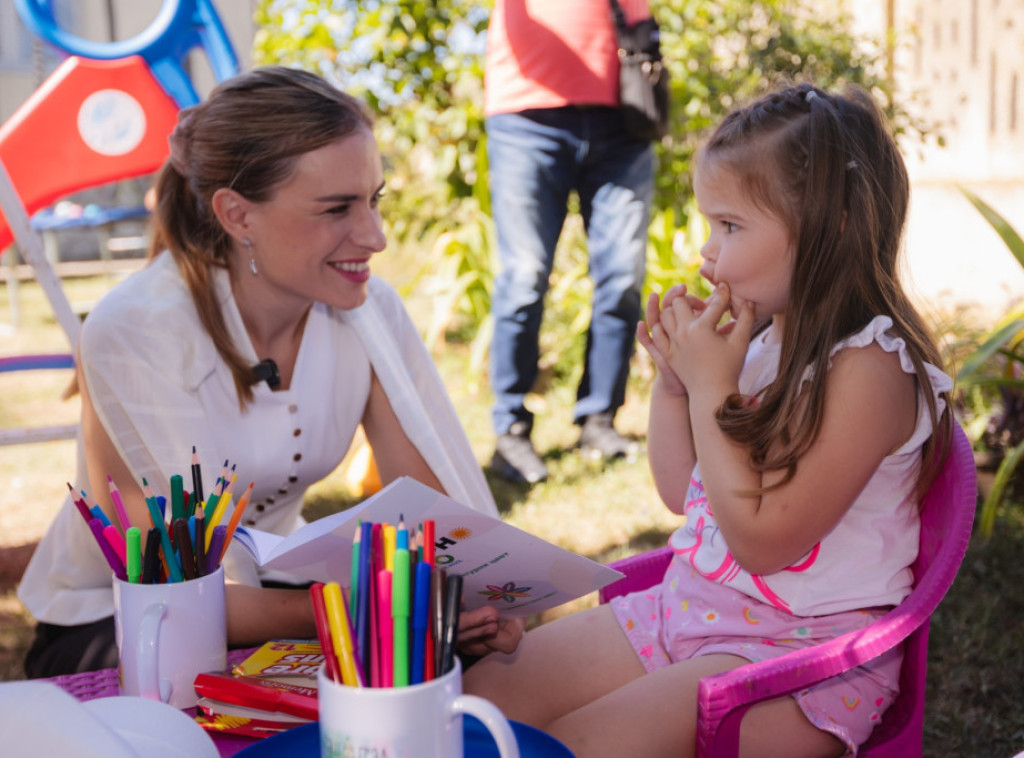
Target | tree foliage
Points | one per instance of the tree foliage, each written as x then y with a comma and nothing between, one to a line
419,64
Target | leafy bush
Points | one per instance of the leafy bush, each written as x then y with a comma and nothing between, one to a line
992,377
419,64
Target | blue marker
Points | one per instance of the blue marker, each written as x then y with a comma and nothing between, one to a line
420,623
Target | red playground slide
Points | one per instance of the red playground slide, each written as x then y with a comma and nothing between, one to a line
91,122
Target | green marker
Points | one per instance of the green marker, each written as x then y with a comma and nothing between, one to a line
133,544
400,608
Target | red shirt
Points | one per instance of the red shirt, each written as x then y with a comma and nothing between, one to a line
550,53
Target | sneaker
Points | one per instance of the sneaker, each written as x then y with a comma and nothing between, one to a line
598,439
514,457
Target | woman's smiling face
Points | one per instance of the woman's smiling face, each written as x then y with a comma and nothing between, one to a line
748,248
314,238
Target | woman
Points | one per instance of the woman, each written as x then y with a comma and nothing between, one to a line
257,335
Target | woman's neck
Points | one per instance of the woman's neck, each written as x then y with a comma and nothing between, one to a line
275,324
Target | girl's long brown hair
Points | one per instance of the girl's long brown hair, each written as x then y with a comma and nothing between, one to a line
247,135
828,166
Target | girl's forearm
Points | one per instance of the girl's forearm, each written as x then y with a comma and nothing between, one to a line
727,475
670,450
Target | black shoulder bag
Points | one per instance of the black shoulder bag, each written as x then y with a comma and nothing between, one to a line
643,80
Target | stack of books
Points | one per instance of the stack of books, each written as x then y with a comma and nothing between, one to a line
272,690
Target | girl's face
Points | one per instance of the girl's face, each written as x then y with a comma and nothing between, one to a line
312,241
748,248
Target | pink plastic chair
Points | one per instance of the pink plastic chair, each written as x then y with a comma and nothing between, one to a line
947,518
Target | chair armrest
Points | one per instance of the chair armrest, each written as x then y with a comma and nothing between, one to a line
722,699
642,571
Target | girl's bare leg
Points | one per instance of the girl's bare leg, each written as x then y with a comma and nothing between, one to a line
558,667
655,715
579,679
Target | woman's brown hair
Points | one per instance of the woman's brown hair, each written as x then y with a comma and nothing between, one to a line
247,135
829,168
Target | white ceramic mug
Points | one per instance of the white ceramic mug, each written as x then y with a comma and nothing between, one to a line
419,721
168,633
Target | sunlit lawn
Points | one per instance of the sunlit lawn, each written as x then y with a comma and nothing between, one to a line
975,704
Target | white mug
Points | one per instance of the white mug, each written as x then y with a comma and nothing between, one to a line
419,721
168,633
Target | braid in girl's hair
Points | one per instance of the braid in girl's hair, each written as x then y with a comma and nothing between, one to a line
829,168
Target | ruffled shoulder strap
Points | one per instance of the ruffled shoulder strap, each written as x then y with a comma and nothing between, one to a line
935,381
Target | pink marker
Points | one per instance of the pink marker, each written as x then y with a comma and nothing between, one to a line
115,563
386,628
116,541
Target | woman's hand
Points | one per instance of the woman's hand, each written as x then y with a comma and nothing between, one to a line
482,632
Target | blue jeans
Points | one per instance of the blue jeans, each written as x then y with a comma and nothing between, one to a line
537,158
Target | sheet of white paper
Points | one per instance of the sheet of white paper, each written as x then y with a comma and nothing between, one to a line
501,565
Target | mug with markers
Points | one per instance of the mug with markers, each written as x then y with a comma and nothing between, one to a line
391,683
169,600
167,633
418,721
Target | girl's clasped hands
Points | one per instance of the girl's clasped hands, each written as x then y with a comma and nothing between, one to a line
690,345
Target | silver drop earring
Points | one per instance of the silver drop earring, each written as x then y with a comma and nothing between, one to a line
252,260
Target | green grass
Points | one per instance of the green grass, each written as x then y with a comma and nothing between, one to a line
975,705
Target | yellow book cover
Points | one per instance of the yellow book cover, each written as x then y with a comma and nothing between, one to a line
295,661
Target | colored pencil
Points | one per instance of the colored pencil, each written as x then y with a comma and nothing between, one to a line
217,512
80,504
119,510
170,562
236,517
197,477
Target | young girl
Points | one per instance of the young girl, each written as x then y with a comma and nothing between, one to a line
796,451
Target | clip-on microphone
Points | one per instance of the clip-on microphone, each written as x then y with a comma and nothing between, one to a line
266,371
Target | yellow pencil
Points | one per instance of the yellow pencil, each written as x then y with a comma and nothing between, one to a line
218,512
